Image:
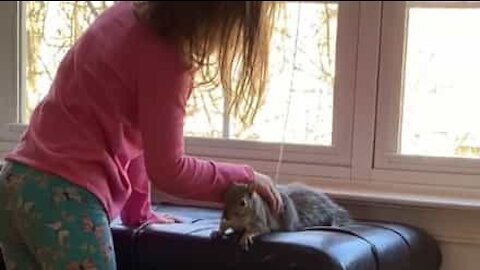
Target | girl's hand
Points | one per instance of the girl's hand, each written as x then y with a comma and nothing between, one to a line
265,187
164,219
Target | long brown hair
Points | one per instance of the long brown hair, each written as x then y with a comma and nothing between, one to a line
226,43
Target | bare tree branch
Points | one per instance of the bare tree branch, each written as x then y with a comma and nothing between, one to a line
92,8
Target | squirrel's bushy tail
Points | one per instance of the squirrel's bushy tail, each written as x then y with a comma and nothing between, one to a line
341,218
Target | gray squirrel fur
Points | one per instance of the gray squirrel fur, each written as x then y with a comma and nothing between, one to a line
245,211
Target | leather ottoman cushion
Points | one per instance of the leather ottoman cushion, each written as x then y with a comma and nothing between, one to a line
124,239
2,263
363,246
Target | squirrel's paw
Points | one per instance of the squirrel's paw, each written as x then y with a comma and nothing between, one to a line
246,240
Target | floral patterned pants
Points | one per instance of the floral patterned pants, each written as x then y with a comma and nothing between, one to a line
47,223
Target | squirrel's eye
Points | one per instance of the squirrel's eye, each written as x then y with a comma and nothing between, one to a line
243,203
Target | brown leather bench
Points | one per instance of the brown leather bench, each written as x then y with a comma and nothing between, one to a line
2,263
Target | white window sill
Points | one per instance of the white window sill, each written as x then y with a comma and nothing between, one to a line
424,201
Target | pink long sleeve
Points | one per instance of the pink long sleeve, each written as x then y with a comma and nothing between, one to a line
137,209
120,93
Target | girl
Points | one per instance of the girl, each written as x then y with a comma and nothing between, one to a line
112,123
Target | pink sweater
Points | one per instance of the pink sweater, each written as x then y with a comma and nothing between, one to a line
113,120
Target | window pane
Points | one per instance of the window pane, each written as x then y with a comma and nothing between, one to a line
205,114
311,108
53,27
442,82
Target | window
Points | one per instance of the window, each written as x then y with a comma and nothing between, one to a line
303,79
302,74
429,86
51,29
441,84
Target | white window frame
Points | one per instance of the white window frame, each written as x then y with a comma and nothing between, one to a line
332,161
9,62
9,75
388,161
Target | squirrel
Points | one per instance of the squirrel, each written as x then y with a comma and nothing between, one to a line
246,212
